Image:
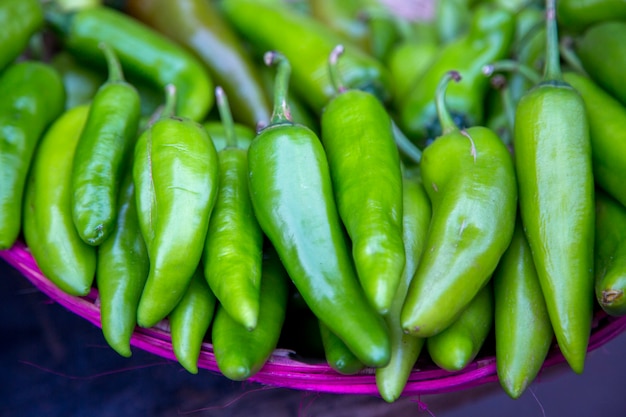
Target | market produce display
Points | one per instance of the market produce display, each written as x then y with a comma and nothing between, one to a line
393,197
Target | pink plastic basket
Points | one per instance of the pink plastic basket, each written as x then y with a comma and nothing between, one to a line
282,370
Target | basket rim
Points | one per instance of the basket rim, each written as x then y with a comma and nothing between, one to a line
282,369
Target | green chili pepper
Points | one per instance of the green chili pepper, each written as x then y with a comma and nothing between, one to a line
576,15
470,179
610,254
338,355
606,117
19,20
176,174
239,352
292,197
122,270
456,346
49,232
556,198
307,44
233,249
101,153
199,27
604,64
32,98
190,321
364,165
405,349
142,51
488,39
523,333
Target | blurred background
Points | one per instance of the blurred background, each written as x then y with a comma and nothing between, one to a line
55,363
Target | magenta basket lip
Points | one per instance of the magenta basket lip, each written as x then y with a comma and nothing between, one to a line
282,370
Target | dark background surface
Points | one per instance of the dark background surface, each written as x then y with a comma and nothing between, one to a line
55,363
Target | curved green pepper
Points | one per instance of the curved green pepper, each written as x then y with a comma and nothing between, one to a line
142,51
307,44
364,165
121,271
49,231
456,346
199,27
405,349
604,64
576,15
470,179
102,151
175,170
32,98
19,20
606,117
556,198
610,254
338,355
488,39
292,197
233,250
523,332
240,353
190,321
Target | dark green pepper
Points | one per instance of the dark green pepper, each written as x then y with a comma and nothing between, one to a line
233,250
32,98
142,51
364,165
470,179
307,44
553,160
175,170
102,152
488,39
19,20
338,355
49,231
292,197
576,15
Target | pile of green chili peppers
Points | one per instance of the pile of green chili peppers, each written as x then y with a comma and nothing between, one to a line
332,178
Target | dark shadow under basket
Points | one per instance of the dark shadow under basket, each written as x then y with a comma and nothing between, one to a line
282,370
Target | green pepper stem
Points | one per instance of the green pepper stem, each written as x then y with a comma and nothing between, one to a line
333,69
169,108
227,117
513,66
280,112
552,70
445,119
113,63
405,145
499,83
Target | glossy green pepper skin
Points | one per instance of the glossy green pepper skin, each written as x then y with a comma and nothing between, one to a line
307,44
577,15
604,64
233,249
456,346
175,170
553,158
523,332
32,98
337,354
606,117
405,349
470,180
199,26
121,271
610,254
240,353
19,20
142,52
488,39
292,197
102,152
49,231
364,165
190,321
